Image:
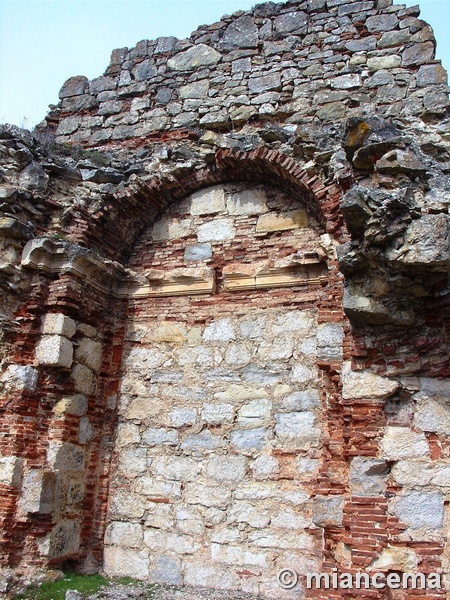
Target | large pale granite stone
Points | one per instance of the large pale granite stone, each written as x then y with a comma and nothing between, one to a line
84,379
199,55
226,469
297,429
11,470
247,202
58,324
401,443
282,221
20,378
63,541
208,201
72,405
170,228
219,230
328,511
394,558
255,414
65,456
39,493
419,510
363,384
89,353
54,351
368,476
217,414
128,535
125,562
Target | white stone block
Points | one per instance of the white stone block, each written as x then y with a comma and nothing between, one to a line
433,414
133,461
58,324
189,522
38,495
180,417
208,201
20,378
244,512
238,556
203,441
84,379
226,469
422,473
297,429
247,202
396,559
221,330
167,570
125,562
264,467
328,511
54,351
219,230
89,353
62,541
419,510
72,405
160,516
85,431
181,544
177,468
171,228
362,384
159,436
128,535
157,488
65,456
211,496
255,414
329,341
124,504
197,573
11,470
400,443
217,414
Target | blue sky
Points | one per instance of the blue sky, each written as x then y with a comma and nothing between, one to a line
44,42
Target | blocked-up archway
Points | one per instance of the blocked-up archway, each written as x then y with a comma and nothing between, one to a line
221,423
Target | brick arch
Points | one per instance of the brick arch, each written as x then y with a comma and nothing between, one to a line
122,218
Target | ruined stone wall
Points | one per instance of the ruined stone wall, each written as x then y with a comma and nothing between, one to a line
225,322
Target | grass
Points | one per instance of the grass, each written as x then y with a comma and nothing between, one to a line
56,590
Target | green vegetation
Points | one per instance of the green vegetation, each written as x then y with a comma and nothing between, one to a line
85,584
56,590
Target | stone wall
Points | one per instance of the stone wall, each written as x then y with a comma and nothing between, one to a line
225,318
220,426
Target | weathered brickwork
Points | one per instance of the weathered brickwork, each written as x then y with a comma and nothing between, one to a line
225,308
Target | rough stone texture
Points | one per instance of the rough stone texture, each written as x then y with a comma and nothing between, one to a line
366,385
54,351
420,510
58,324
20,378
84,380
285,400
11,470
400,443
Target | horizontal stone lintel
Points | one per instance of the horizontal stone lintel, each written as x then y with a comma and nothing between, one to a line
276,278
50,256
166,288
